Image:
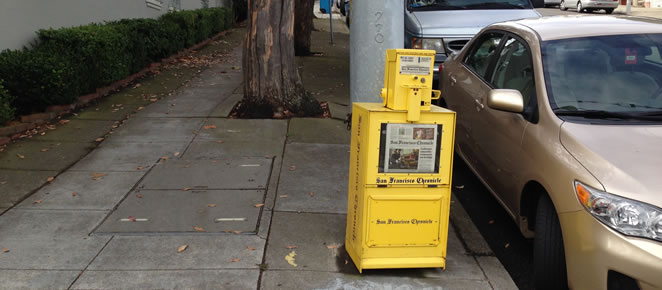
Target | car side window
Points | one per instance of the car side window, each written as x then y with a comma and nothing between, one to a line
514,70
483,53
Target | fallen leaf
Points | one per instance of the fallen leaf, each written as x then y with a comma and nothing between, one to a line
182,248
220,141
99,139
50,179
62,122
331,246
139,195
74,193
137,85
176,154
211,205
140,108
153,100
291,247
132,218
97,176
346,262
284,196
44,150
311,194
199,229
38,201
3,182
21,156
236,232
5,250
259,205
140,168
290,258
293,167
491,222
235,260
236,68
186,189
250,248
165,157
507,245
459,186
209,127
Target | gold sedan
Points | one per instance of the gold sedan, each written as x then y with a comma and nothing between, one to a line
561,119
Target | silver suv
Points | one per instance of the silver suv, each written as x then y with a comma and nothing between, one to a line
447,25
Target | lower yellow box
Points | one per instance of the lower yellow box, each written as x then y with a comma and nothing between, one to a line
398,202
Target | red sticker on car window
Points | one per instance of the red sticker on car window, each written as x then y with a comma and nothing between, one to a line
630,56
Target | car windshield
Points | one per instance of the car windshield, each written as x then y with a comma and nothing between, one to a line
428,5
605,77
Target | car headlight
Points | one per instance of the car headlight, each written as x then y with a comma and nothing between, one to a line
627,216
436,44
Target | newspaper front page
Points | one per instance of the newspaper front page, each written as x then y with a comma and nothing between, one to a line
410,148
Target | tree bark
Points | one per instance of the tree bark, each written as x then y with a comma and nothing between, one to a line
272,85
303,26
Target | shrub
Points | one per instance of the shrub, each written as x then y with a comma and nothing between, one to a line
38,78
6,110
99,53
187,21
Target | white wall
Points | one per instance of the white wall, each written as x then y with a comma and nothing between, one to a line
20,19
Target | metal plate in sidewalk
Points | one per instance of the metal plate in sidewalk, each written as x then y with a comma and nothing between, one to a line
190,211
240,173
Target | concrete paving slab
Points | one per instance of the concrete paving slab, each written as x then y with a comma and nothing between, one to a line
84,191
77,130
37,279
17,184
28,155
243,130
160,253
49,240
3,210
300,280
496,274
179,108
106,109
179,211
238,173
157,130
310,234
338,111
208,150
224,108
207,279
127,156
211,91
316,130
328,183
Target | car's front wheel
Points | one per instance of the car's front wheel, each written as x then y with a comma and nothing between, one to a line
562,6
580,8
548,253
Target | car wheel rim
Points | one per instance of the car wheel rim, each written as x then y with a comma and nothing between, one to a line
579,7
562,5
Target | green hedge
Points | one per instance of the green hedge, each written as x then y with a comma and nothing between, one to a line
6,110
68,62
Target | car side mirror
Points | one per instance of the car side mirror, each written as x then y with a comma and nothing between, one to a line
538,3
506,100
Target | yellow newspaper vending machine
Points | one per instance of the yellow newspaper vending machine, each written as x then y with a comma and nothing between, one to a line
401,161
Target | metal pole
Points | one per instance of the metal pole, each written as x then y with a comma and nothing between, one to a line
376,25
628,5
331,18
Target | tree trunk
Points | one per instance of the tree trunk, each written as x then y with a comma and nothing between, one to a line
303,26
272,85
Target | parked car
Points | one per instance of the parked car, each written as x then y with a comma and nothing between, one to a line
447,25
561,119
589,5
550,3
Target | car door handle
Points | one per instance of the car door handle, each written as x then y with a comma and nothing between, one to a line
453,80
479,105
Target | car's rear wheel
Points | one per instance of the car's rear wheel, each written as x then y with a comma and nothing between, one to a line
548,253
580,8
609,11
562,6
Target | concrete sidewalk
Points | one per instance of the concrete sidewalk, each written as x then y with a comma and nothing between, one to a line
181,196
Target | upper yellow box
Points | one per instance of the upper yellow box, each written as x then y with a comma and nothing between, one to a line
408,71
